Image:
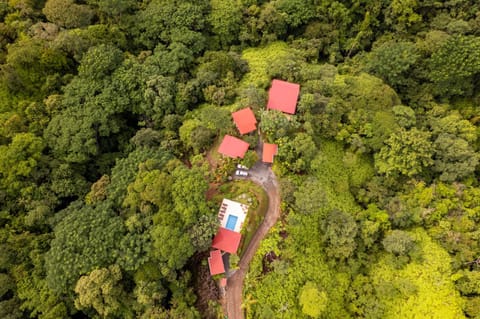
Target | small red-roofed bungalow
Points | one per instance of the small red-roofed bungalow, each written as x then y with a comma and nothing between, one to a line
269,151
226,240
245,120
233,147
283,96
215,262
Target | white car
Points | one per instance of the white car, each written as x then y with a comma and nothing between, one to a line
240,166
241,173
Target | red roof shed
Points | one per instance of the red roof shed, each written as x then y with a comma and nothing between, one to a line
283,96
269,150
245,120
215,262
226,240
233,147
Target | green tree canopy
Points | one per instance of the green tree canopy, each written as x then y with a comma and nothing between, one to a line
85,239
312,301
454,65
407,152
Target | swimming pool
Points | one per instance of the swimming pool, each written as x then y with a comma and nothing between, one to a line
231,222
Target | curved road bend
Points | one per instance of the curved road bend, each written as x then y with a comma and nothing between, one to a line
262,175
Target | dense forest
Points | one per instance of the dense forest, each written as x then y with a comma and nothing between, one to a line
109,109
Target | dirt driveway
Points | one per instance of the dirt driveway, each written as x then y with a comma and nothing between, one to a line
262,175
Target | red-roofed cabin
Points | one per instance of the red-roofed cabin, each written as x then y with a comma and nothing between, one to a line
283,96
226,240
215,262
245,120
233,147
269,151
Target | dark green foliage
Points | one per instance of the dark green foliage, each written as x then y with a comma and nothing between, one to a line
398,242
340,231
454,66
171,21
455,158
87,238
392,60
66,13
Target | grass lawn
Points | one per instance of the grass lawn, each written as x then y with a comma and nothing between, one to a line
249,193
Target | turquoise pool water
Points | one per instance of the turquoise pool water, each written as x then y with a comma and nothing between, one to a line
231,222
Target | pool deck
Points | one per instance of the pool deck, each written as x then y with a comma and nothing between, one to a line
230,207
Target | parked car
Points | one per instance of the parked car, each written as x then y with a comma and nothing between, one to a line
241,173
240,166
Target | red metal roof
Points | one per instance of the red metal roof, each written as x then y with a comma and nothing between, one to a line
226,240
245,120
283,96
215,262
233,147
269,150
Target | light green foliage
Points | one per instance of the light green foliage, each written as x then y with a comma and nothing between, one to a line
401,14
102,291
150,192
468,282
373,223
454,124
435,204
421,288
360,169
313,301
432,42
407,152
18,162
258,61
333,176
